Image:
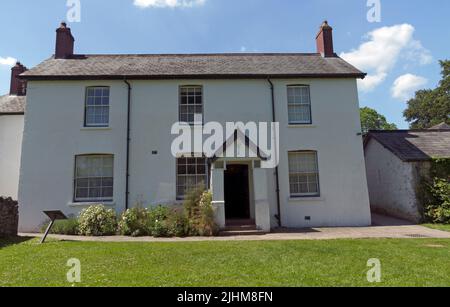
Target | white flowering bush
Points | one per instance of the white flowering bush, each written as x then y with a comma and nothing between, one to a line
97,220
135,222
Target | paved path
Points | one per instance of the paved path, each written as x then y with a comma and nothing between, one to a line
384,228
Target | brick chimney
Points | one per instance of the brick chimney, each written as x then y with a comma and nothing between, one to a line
64,42
18,86
324,40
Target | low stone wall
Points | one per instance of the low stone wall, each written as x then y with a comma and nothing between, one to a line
9,217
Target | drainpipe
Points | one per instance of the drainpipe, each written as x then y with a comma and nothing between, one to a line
127,189
277,174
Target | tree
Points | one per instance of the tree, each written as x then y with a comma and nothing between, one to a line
431,107
372,120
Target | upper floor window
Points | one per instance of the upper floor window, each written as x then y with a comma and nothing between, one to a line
191,104
97,107
191,172
299,104
304,174
94,178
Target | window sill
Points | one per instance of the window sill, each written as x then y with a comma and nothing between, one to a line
192,125
301,126
87,204
306,199
95,128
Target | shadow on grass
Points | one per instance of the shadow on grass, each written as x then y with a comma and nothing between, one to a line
5,242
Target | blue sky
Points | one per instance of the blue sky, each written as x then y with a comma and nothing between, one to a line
400,53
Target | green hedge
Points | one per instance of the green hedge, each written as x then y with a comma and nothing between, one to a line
436,193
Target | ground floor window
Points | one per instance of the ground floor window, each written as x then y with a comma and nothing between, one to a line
191,172
304,174
94,178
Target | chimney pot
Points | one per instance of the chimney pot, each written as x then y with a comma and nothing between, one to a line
64,42
18,86
324,40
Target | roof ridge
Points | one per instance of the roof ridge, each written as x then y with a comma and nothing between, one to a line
205,54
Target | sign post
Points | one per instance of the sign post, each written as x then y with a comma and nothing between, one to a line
54,216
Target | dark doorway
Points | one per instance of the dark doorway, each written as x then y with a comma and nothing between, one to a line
237,195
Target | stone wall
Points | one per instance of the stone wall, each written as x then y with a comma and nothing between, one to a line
9,217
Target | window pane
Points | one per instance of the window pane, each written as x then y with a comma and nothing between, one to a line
299,104
94,178
191,103
107,193
95,193
303,173
97,106
82,193
190,173
83,183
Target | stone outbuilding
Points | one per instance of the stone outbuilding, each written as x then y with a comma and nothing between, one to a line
396,162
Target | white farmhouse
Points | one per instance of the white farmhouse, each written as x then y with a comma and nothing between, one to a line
12,109
98,130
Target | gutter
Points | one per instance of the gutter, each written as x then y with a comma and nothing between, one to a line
277,173
127,185
12,113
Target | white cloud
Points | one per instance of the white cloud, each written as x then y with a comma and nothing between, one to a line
405,86
8,61
168,3
383,49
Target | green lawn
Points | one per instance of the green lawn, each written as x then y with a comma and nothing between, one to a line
438,226
412,262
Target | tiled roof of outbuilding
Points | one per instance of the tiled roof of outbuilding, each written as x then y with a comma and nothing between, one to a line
414,145
10,104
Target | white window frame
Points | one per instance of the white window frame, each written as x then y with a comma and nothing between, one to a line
300,103
185,162
192,93
78,178
94,105
308,173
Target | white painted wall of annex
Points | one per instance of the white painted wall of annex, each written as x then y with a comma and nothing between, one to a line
11,131
391,183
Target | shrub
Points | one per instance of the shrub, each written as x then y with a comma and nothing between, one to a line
438,211
177,224
157,218
97,221
68,227
200,213
135,222
167,222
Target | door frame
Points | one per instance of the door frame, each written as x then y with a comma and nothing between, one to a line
250,186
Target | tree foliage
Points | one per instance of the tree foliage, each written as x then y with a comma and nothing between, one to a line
372,120
431,107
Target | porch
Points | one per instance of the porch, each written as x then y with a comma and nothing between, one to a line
240,195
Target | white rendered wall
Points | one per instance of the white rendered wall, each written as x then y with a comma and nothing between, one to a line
11,131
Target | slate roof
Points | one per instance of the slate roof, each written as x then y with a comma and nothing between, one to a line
414,145
171,66
10,105
441,126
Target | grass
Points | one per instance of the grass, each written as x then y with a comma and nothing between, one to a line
444,227
425,262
